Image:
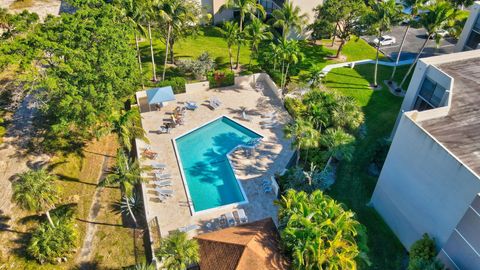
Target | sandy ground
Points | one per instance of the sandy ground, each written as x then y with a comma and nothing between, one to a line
41,7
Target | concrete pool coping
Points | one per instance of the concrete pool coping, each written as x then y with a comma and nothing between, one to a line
228,155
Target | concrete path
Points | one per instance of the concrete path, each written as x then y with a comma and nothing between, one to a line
327,69
85,253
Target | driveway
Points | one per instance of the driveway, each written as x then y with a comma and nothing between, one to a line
414,41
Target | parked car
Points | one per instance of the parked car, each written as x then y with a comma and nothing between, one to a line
385,40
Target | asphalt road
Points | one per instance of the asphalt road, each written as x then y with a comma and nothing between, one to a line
413,43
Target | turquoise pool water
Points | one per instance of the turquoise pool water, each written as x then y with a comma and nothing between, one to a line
203,153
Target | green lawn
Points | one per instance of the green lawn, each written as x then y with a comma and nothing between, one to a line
354,186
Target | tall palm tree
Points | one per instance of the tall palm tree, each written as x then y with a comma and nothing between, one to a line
128,127
414,6
303,135
150,17
126,174
439,15
385,14
135,16
289,17
177,252
35,190
257,32
174,14
290,55
345,113
230,33
339,145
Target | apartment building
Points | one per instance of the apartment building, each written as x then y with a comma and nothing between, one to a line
470,37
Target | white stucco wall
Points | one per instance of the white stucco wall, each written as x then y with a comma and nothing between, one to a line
467,29
422,187
307,7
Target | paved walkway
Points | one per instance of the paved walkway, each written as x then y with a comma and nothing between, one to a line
327,69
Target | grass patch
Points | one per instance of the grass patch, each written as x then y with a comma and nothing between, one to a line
354,186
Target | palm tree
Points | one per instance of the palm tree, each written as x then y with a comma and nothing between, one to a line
177,252
174,14
384,15
257,32
244,7
230,33
316,76
128,127
126,174
339,145
439,16
150,16
303,135
345,113
35,190
318,232
414,6
142,266
291,55
289,17
134,14
318,115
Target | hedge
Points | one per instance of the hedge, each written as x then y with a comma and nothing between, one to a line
177,83
220,78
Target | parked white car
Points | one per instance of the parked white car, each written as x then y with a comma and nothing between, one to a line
385,40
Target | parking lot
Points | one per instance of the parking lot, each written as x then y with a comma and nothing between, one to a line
413,43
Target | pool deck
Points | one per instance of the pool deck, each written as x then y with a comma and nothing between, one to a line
269,158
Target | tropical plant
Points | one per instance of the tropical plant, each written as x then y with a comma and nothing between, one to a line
315,77
198,67
245,8
35,190
126,204
318,233
175,15
344,16
438,16
257,32
422,264
53,243
290,54
423,255
414,6
346,113
128,128
303,134
143,266
126,174
230,33
177,252
288,18
339,145
385,14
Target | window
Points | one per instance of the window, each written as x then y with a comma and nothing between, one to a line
473,41
430,96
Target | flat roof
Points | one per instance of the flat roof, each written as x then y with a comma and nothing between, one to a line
459,131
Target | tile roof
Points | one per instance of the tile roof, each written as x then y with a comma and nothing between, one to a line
249,246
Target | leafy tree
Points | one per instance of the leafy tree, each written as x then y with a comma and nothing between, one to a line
126,174
290,54
89,71
230,33
339,145
288,18
318,233
35,190
385,14
438,16
257,32
303,135
176,16
14,24
128,127
50,244
414,6
422,255
177,252
345,16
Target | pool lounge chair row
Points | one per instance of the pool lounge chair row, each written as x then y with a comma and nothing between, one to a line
240,214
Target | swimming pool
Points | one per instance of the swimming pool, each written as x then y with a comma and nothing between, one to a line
207,172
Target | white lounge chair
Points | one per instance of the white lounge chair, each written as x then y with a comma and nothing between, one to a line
245,116
241,215
269,114
230,219
162,176
164,192
158,166
189,228
190,105
163,183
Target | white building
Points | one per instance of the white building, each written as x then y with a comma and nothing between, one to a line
470,37
430,182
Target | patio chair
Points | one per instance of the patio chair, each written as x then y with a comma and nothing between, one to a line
164,192
164,130
163,183
189,228
213,103
162,176
270,114
241,215
158,166
149,154
190,105
246,117
230,219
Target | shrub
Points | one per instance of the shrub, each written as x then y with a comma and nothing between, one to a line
422,255
198,67
294,106
177,83
52,244
221,78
